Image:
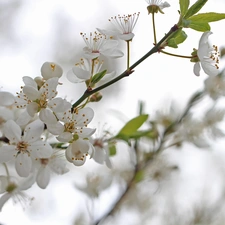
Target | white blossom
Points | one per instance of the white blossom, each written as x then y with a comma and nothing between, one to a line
11,188
124,26
41,100
215,85
156,6
47,166
98,44
95,184
24,148
72,125
208,57
77,152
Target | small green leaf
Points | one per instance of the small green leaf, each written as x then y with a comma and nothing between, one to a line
112,149
198,26
132,126
195,8
98,76
178,38
139,176
207,17
184,4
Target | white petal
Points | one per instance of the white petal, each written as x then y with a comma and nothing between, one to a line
51,69
209,68
6,98
65,137
4,198
7,153
31,93
113,53
110,44
85,132
40,149
59,105
84,116
72,77
33,131
47,116
23,119
126,37
81,74
58,165
197,69
49,87
80,146
27,183
164,5
32,108
99,155
43,177
23,164
56,128
28,81
12,131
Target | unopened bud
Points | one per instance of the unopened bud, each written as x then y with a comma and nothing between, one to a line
39,82
195,56
96,97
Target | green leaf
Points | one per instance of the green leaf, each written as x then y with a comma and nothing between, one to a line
139,176
132,126
178,38
98,76
184,4
112,149
207,17
202,27
195,8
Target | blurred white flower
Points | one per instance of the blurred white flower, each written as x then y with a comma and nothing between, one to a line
215,86
50,70
24,148
124,25
95,184
98,44
208,56
14,189
6,98
155,6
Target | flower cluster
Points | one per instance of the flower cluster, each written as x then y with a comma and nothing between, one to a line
42,133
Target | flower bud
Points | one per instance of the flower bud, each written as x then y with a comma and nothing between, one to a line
96,97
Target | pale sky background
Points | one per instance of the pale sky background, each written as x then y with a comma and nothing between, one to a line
46,29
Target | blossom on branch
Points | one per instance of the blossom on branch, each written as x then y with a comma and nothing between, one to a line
208,56
24,146
98,44
42,99
155,6
124,26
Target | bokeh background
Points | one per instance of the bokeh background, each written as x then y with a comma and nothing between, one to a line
33,32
